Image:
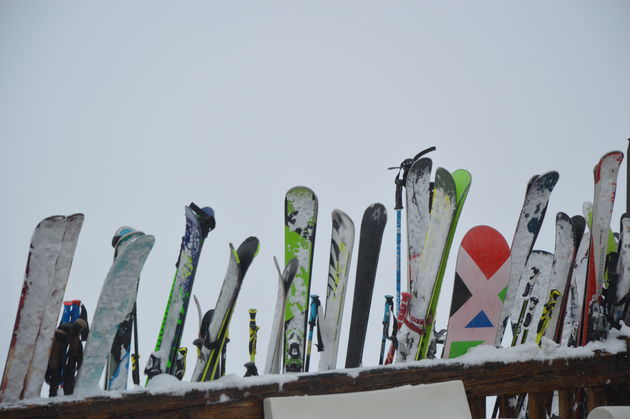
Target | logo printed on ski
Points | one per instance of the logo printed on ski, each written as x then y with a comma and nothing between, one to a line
481,275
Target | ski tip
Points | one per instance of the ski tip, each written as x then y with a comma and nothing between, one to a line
123,233
301,191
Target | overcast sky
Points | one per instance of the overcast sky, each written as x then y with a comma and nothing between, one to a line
127,111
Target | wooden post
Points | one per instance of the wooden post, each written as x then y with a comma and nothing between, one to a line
536,406
566,403
596,396
477,406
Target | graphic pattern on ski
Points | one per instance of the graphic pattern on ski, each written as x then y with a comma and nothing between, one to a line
481,275
300,228
529,223
163,360
442,212
207,367
341,245
116,300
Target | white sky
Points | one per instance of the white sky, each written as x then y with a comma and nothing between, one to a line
127,111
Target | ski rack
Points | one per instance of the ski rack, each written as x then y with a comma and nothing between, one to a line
604,378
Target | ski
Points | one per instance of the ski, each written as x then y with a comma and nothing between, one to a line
371,236
418,197
274,349
482,270
564,255
300,223
534,284
605,173
462,179
342,243
530,220
37,368
47,270
443,208
117,367
116,300
573,311
199,222
401,181
210,362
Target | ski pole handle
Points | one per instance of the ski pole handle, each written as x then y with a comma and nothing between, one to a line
389,302
253,334
312,321
405,297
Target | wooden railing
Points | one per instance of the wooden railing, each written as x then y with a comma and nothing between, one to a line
600,379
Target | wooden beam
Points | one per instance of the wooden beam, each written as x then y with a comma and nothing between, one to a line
488,379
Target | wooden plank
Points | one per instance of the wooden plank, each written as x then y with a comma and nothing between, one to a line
246,402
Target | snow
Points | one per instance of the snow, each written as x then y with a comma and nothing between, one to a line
165,384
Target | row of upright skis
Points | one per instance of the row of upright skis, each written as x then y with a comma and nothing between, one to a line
571,296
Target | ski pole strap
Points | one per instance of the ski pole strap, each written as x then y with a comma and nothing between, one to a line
320,341
417,325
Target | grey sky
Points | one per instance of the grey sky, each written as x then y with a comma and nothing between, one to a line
127,111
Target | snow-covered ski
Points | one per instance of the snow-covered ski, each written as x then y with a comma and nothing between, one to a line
530,220
443,207
199,222
210,356
300,210
605,175
116,300
48,265
275,348
341,245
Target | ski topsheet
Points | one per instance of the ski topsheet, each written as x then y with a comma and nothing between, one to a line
116,300
527,228
37,367
163,360
371,236
573,311
564,255
47,269
532,295
481,274
442,211
300,223
605,175
207,365
417,192
275,348
117,367
342,242
462,179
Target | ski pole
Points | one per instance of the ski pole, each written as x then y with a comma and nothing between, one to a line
389,302
135,357
402,312
253,335
312,320
399,181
